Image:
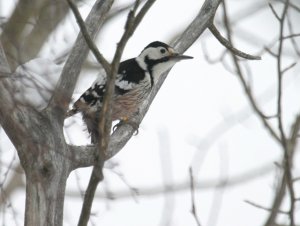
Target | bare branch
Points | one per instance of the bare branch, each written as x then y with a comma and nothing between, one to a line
82,156
71,70
274,12
293,6
291,36
279,74
279,196
288,67
264,208
244,83
286,147
88,39
229,46
271,52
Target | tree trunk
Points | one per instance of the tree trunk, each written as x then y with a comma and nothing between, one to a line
45,191
46,160
47,167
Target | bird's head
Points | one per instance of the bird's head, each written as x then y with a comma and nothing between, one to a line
158,57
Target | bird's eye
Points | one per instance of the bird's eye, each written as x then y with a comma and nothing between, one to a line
163,51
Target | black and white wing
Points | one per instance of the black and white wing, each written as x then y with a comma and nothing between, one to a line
91,99
126,97
129,76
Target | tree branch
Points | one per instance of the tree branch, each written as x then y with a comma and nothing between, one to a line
229,46
274,12
288,151
71,70
247,89
101,60
264,208
286,178
8,111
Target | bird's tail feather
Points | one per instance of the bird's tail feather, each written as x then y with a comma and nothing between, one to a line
71,112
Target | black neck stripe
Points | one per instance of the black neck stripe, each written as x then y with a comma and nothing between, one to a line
151,63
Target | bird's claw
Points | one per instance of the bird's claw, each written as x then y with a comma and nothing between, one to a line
134,125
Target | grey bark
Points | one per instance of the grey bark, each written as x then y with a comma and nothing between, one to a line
39,140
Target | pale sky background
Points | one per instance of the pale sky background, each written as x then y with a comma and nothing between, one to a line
200,118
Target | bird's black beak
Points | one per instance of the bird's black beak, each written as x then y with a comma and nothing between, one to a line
180,57
176,56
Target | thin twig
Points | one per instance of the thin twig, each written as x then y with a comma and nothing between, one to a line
286,178
270,116
279,76
271,52
288,67
265,208
293,6
229,46
286,147
291,36
279,196
247,89
273,11
194,210
88,38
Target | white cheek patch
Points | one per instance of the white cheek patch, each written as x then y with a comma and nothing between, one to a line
162,68
154,54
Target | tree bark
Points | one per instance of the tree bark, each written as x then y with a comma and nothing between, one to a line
38,136
45,192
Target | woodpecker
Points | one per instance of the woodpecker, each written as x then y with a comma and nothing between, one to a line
135,78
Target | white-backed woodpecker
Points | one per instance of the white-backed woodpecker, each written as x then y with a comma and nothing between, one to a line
135,78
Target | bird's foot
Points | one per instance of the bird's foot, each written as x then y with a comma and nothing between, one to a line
134,125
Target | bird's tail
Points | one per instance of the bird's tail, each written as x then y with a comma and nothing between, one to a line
92,123
71,112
